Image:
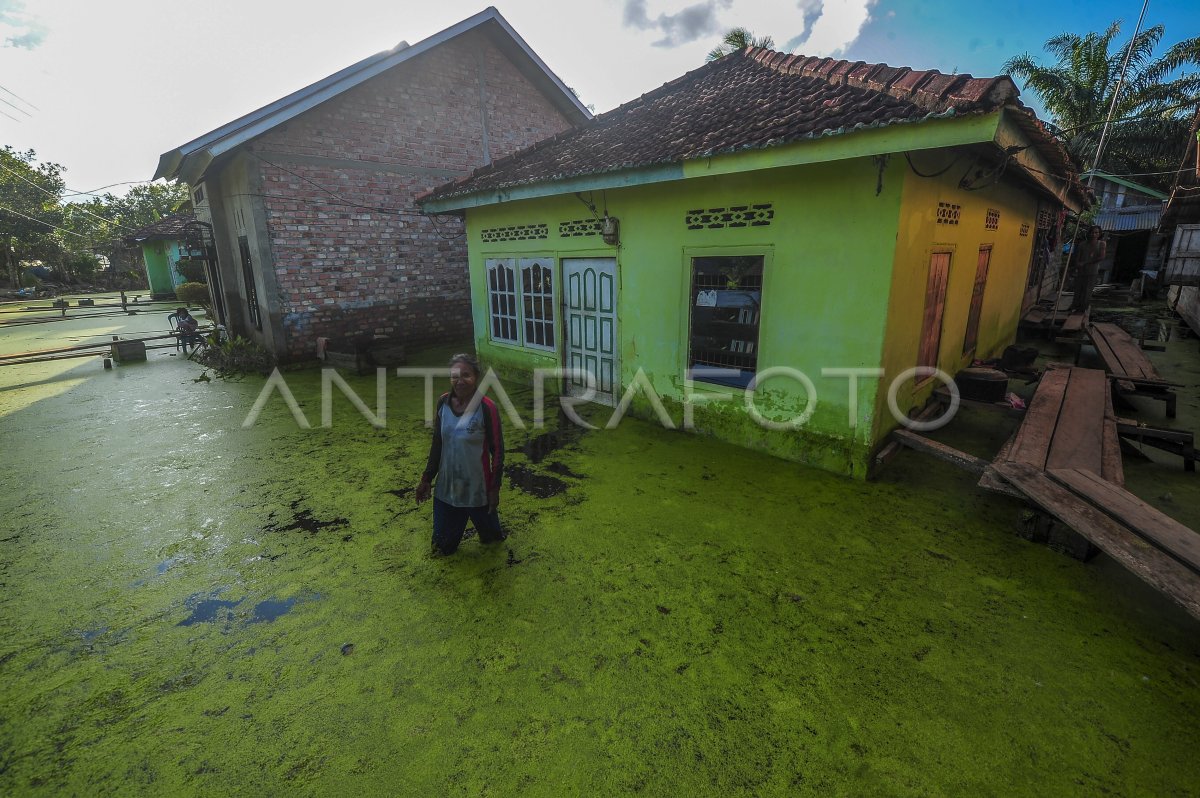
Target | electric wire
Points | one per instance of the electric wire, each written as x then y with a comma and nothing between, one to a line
19,97
55,197
53,226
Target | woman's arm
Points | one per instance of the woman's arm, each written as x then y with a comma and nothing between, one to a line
434,461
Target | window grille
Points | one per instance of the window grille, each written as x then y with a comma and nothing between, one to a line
502,300
1025,229
726,303
519,232
580,227
948,213
521,301
253,311
733,216
537,298
992,222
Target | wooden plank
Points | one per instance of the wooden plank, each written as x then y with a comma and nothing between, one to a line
1123,357
1078,440
1033,438
991,480
1112,468
1122,506
1073,323
940,450
1036,316
1133,362
1154,567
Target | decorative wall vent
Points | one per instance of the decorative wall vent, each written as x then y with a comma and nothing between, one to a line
1045,219
1025,229
947,213
733,216
519,232
580,227
992,222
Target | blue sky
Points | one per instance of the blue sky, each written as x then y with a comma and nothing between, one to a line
104,87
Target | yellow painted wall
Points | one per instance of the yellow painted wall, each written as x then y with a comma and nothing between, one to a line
918,237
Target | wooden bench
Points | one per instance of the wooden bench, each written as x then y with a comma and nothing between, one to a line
1131,370
1069,424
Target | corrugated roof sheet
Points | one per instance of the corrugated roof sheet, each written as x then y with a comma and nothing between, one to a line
1136,217
752,99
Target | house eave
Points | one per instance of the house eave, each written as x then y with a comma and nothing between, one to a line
929,133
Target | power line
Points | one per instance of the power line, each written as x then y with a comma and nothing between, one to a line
10,116
52,226
57,200
110,185
22,110
22,99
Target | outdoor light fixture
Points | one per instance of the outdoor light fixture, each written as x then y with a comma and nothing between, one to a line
611,230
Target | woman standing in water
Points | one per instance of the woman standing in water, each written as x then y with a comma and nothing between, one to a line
467,457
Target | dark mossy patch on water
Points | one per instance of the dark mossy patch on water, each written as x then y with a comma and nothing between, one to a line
686,617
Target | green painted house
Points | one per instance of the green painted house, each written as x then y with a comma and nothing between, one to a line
767,244
163,246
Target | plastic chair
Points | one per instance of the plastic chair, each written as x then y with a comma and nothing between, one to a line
182,340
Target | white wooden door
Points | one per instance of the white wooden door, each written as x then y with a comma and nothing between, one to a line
590,315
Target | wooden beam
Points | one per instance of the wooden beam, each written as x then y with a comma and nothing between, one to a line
1157,569
940,450
1161,530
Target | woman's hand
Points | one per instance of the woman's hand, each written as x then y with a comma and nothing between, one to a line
493,499
422,491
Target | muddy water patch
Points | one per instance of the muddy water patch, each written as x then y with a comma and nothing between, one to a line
538,485
208,610
305,521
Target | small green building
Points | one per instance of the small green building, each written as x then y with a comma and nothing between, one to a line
767,245
163,246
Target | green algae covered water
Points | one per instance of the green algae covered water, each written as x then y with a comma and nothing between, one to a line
191,607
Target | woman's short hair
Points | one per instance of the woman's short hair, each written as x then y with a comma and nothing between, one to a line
469,360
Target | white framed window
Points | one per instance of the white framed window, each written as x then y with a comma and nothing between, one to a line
521,301
502,300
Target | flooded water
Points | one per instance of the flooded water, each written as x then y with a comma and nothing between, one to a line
190,606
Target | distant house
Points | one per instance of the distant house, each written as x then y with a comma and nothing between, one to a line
310,198
1181,226
1129,216
770,211
163,247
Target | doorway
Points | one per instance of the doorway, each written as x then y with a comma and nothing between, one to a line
590,321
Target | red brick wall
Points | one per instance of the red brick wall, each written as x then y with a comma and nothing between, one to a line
352,254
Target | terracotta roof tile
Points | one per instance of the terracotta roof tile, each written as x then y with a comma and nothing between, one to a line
751,99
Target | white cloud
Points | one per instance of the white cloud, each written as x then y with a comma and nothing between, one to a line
836,26
18,28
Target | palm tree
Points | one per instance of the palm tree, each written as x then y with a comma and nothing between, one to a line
738,39
1152,111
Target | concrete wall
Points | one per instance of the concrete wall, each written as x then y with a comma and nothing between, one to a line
158,268
828,254
347,252
919,236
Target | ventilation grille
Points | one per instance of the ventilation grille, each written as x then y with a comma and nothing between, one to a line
992,222
580,227
947,213
1045,220
1025,229
733,216
520,232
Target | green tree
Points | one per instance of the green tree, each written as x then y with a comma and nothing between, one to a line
29,192
738,39
1156,101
